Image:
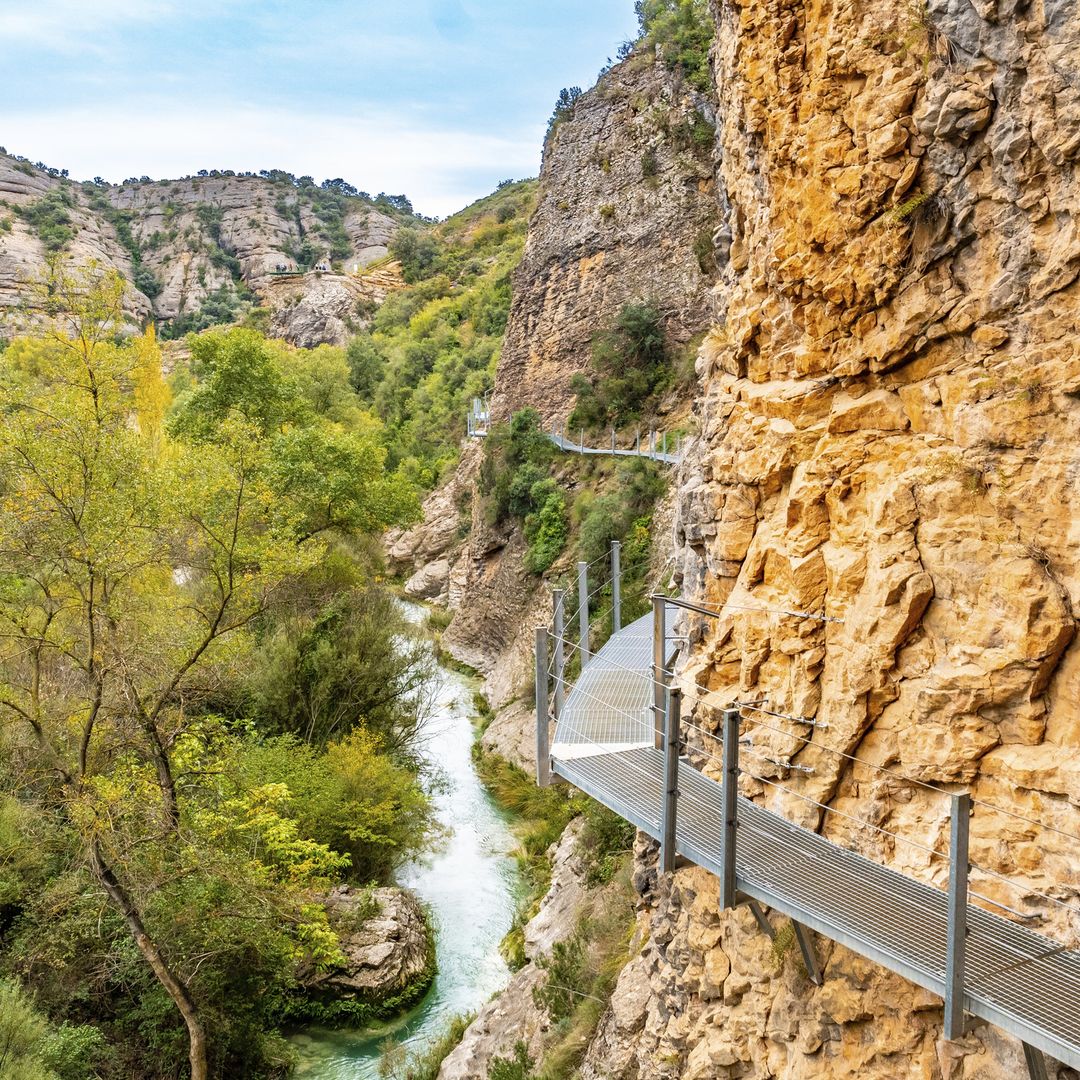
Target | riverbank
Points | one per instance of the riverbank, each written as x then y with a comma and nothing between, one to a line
470,887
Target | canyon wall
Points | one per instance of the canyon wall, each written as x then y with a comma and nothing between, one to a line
889,418
889,431
626,212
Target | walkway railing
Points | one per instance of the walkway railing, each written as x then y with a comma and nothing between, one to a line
478,420
623,736
656,444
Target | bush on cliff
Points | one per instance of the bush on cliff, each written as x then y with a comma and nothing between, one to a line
630,366
681,32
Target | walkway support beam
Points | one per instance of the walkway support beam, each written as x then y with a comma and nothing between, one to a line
806,947
1036,1063
659,607
616,586
583,611
958,910
543,750
672,721
558,598
729,801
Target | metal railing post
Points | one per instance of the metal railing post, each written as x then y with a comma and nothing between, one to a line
583,611
664,444
581,444
729,799
616,587
672,720
543,750
959,833
559,603
659,664
613,440
637,443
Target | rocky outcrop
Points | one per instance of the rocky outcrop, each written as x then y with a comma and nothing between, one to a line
203,234
627,211
386,945
23,255
514,1015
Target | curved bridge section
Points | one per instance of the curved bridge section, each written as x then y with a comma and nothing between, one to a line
617,738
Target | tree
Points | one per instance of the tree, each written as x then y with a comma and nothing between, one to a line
130,571
564,109
417,252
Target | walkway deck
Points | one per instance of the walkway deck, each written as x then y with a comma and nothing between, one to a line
1021,981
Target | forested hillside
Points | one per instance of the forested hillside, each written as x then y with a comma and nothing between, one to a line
209,704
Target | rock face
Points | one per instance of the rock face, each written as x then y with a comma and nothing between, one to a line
627,211
889,421
889,409
202,234
385,953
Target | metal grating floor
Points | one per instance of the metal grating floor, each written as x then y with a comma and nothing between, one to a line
1019,980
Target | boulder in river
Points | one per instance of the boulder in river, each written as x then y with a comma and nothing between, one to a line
388,955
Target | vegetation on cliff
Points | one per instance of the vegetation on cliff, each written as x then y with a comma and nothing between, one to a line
207,717
433,347
681,33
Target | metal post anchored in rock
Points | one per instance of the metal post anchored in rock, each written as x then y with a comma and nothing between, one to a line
558,597
668,823
583,611
659,666
543,750
729,801
616,587
959,869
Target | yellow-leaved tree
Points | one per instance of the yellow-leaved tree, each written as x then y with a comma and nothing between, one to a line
132,563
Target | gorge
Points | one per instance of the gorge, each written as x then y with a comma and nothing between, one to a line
832,247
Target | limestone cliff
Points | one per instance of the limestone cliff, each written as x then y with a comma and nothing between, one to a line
200,235
627,211
888,420
889,427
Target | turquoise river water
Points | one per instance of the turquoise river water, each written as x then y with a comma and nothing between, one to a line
470,886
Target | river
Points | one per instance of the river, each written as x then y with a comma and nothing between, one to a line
471,888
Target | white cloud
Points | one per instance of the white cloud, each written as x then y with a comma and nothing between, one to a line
440,170
74,24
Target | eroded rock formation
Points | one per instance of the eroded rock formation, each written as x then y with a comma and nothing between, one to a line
202,234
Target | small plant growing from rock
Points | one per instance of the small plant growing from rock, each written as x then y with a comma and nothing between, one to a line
607,212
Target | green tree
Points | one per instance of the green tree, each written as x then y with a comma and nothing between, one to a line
131,573
682,32
356,661
630,364
417,252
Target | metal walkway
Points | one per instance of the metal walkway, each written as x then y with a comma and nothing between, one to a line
654,451
604,744
478,423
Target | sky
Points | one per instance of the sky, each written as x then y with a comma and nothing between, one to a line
435,99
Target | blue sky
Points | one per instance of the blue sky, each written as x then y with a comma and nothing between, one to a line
439,99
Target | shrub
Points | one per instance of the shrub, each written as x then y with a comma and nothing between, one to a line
519,448
50,219
681,31
518,1067
546,530
650,164
564,109
416,251
631,365
567,977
